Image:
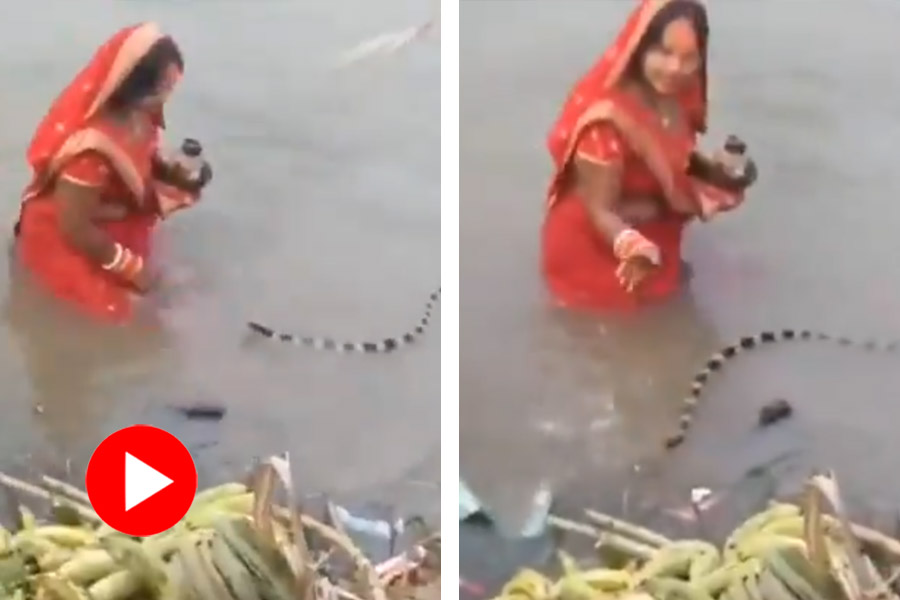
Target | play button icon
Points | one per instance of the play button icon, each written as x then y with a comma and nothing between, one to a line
141,480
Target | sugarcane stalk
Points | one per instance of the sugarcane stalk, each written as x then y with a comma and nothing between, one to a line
65,489
85,512
641,534
632,548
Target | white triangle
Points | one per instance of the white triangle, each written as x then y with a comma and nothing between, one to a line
141,481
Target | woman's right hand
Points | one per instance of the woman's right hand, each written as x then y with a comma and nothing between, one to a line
144,281
638,258
632,272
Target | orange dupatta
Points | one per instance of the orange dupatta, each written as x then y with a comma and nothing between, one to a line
595,98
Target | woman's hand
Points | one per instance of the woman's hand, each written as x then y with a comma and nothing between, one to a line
632,272
712,170
751,174
169,198
638,257
144,281
195,186
172,174
713,200
206,175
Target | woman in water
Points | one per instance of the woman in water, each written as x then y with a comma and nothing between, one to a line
627,175
99,185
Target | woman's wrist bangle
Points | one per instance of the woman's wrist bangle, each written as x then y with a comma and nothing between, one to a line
624,241
125,264
117,258
630,243
130,266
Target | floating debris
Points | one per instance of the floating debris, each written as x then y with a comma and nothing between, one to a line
202,411
776,410
384,44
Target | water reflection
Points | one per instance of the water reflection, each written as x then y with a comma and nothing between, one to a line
572,398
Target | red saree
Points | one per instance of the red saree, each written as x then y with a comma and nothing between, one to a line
75,141
602,124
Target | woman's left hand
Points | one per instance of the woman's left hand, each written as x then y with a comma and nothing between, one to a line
169,198
751,173
179,179
206,175
713,200
731,201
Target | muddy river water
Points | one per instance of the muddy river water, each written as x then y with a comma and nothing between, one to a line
576,400
323,218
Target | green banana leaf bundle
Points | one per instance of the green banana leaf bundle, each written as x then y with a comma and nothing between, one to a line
805,550
235,542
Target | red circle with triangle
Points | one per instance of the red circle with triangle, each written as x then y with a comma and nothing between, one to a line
141,480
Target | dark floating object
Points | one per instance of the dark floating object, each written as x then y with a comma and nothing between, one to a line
207,412
261,329
775,411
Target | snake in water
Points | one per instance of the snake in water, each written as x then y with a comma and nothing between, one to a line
387,345
717,362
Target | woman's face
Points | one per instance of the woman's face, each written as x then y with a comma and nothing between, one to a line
170,79
669,65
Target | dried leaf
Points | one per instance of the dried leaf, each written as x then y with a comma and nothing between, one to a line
295,549
853,570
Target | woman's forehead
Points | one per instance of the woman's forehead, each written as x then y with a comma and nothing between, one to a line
680,35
